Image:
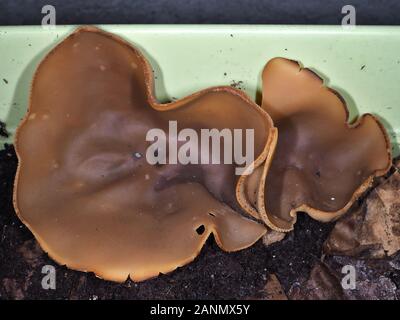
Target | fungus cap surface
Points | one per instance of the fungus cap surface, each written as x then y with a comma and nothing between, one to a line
321,163
84,187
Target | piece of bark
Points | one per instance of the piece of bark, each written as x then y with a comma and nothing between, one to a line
272,236
31,252
13,288
374,279
322,284
273,289
373,229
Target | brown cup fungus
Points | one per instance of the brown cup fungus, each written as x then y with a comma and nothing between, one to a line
321,163
87,191
84,186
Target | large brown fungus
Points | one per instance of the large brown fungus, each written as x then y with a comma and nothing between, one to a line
84,186
321,163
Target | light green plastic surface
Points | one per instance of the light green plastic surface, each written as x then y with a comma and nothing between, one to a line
363,63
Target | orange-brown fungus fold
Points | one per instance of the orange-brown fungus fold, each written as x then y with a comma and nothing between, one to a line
321,163
84,187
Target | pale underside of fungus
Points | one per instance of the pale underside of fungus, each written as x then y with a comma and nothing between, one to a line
83,185
321,163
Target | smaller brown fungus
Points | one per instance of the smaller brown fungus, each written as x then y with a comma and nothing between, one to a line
84,186
321,164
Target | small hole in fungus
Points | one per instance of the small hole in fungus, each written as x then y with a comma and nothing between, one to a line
211,214
200,230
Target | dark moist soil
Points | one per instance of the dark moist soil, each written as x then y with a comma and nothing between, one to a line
213,275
